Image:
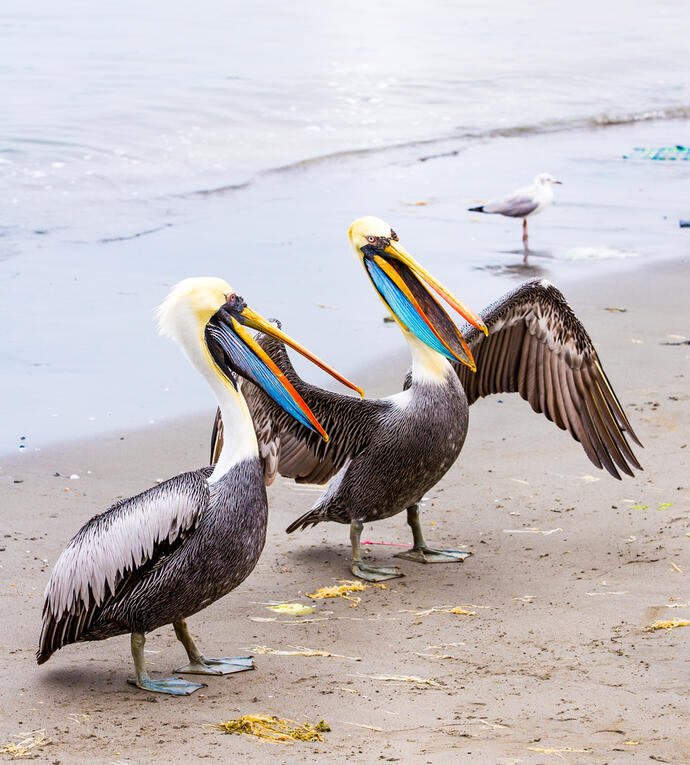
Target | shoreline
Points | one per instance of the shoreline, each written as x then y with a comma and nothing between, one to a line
91,343
569,569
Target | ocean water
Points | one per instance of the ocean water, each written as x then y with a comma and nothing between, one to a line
142,143
114,112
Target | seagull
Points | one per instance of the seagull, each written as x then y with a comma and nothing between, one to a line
523,202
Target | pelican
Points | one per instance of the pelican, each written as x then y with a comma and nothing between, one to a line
161,556
523,202
385,454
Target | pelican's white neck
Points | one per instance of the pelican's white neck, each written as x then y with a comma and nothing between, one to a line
428,365
239,437
239,441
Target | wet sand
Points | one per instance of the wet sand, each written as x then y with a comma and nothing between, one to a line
554,665
282,243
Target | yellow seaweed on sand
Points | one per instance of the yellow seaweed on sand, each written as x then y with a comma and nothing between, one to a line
551,750
423,681
25,747
300,651
668,625
343,590
293,609
272,728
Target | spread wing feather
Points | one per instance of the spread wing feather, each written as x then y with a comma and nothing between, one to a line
110,549
538,348
288,447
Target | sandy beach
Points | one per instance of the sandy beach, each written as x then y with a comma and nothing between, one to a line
143,144
569,569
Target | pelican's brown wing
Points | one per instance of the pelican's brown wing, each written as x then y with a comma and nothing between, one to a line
112,551
537,347
293,450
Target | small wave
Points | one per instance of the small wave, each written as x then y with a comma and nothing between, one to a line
125,238
537,128
225,189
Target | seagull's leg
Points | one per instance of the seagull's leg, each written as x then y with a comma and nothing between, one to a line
359,568
524,240
172,685
421,552
200,665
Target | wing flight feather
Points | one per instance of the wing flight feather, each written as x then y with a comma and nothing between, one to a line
537,347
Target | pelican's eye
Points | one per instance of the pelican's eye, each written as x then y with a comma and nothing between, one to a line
371,239
235,303
394,236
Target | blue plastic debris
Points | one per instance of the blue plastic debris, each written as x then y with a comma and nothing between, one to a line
665,153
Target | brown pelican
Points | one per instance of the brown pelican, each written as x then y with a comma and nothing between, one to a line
384,455
165,554
523,202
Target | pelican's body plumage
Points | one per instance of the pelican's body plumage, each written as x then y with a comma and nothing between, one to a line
157,558
163,555
387,454
384,455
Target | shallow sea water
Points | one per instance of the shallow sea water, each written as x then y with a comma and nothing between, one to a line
146,144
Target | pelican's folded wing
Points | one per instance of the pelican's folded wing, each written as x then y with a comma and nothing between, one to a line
289,448
113,549
538,348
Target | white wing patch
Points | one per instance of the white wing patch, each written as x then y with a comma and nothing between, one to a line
122,539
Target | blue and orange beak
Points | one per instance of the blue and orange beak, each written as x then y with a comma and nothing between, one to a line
235,351
402,284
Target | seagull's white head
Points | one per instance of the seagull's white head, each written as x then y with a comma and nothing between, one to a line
545,179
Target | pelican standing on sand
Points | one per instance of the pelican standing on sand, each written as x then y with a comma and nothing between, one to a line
523,202
163,555
385,454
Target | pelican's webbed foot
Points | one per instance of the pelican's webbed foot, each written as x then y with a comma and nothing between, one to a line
225,666
360,569
421,552
200,665
374,573
175,686
426,554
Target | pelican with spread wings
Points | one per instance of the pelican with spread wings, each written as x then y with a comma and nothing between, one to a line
385,454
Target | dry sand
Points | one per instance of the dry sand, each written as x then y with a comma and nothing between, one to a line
555,665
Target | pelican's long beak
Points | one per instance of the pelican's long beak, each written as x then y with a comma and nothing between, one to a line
233,349
255,321
400,281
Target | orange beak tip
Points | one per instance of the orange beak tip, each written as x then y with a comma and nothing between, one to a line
485,329
324,435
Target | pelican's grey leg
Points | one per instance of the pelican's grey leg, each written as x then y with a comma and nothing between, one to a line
359,568
200,665
421,552
172,685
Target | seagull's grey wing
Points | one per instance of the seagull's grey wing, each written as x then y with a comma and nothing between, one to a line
517,205
114,547
293,450
538,348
